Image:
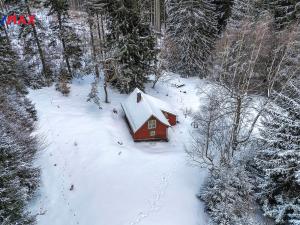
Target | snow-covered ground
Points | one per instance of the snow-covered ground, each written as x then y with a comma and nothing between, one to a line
116,181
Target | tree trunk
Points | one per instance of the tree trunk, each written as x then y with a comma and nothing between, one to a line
105,91
6,36
100,38
64,46
46,70
151,13
93,47
165,15
154,82
157,15
103,55
102,30
236,125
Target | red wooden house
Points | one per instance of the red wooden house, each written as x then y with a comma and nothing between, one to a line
148,118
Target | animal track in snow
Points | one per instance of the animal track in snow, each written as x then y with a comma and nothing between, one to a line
63,185
155,201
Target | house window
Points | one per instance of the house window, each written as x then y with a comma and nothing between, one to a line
151,124
152,133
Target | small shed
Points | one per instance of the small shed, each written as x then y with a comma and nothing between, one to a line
148,118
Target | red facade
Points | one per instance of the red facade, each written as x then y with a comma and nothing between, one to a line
146,120
160,132
171,118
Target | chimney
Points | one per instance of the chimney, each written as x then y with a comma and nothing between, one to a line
138,97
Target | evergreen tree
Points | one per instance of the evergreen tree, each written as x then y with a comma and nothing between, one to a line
223,9
33,47
70,41
285,12
228,196
92,8
131,43
18,177
243,12
280,156
9,74
190,35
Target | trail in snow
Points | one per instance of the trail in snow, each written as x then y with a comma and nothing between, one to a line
64,186
155,201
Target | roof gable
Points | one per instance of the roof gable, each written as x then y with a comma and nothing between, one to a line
139,112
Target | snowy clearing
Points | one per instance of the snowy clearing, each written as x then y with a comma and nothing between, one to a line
115,181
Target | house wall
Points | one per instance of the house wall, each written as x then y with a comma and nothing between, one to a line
144,133
171,118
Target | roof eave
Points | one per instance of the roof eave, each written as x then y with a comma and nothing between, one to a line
131,124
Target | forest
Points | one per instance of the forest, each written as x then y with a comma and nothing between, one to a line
246,131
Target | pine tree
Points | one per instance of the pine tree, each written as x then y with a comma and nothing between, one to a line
18,177
286,12
92,8
280,139
37,39
131,44
243,12
32,58
228,196
280,156
33,47
9,76
223,10
190,35
70,41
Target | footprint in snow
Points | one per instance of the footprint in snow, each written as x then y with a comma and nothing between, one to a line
155,203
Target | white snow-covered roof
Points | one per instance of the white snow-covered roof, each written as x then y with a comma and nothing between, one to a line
160,104
138,113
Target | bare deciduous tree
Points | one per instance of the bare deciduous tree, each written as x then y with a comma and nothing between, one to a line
241,91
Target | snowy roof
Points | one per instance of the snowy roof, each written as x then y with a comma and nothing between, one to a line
138,113
160,104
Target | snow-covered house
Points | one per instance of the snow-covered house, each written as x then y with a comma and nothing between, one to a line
148,118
